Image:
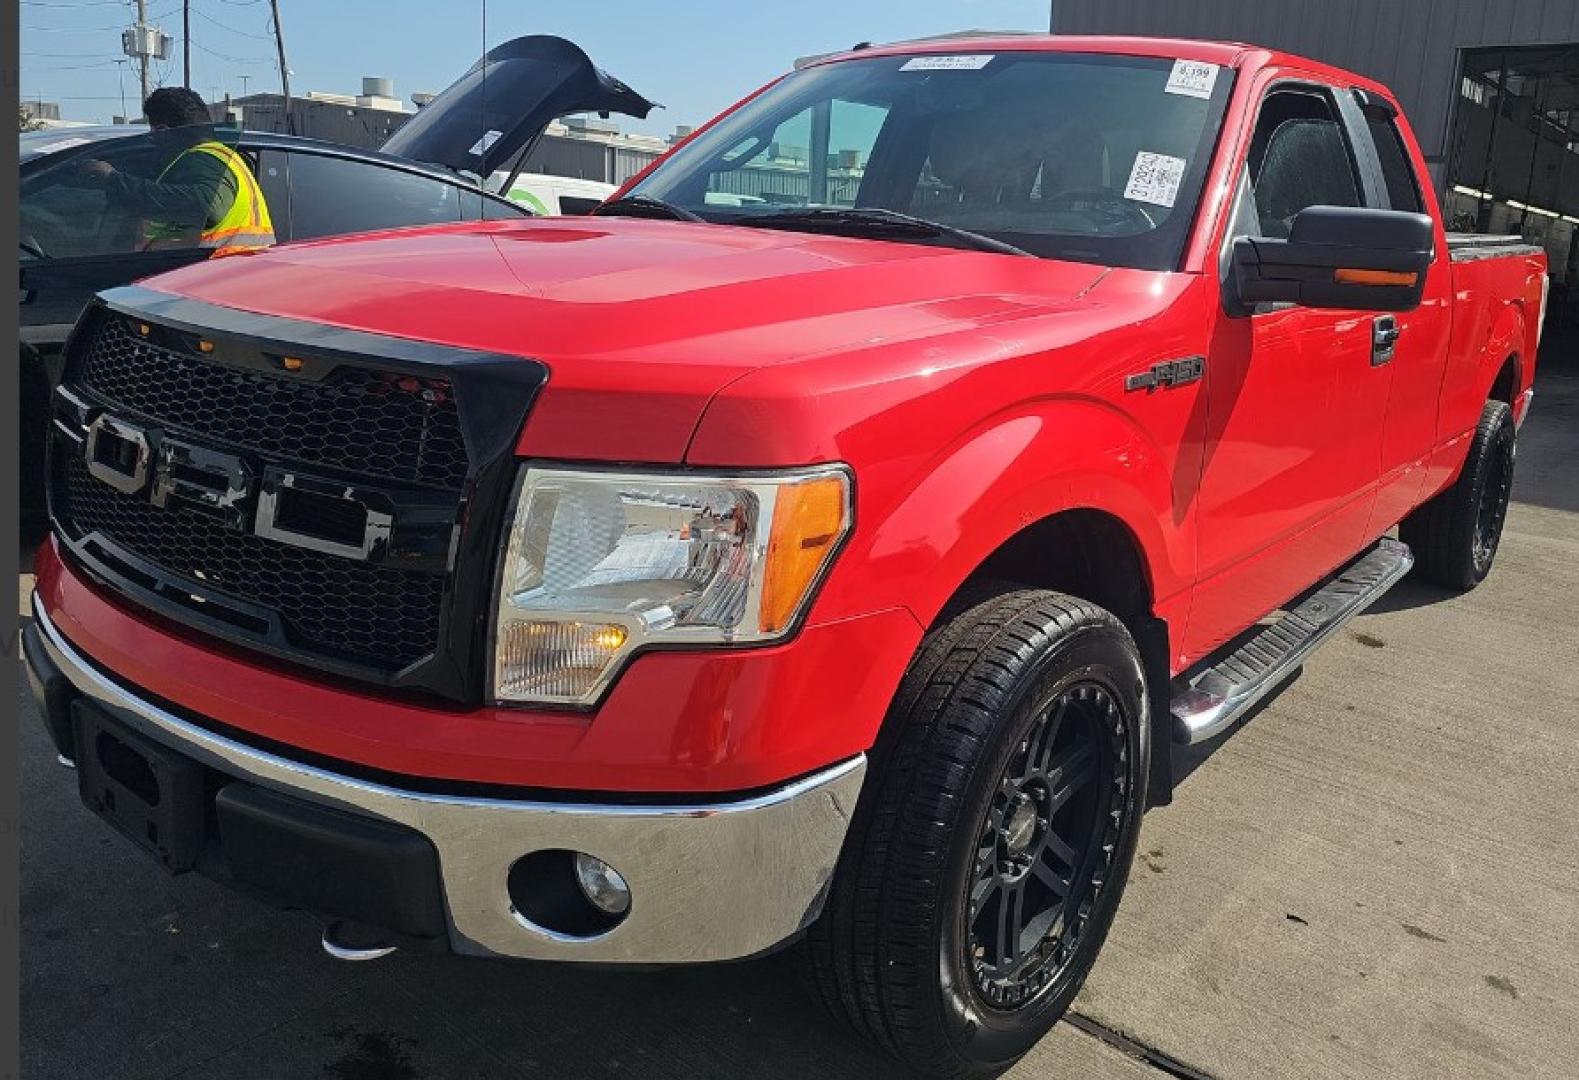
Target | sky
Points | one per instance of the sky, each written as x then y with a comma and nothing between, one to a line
695,57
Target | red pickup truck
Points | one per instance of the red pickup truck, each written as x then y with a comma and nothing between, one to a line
822,545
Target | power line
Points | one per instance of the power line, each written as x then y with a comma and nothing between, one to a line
232,29
232,59
68,29
81,67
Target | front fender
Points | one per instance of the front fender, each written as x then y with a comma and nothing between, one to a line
918,541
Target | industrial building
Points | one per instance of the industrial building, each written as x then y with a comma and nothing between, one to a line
1492,89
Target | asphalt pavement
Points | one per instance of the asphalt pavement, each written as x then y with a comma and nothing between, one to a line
1376,876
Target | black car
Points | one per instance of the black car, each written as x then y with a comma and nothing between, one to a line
439,167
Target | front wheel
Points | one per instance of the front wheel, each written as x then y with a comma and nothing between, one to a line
986,860
1455,536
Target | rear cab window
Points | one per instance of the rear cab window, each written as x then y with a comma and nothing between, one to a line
1399,181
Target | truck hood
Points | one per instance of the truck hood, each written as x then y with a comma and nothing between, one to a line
641,322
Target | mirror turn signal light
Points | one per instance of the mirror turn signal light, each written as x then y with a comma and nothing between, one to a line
1375,277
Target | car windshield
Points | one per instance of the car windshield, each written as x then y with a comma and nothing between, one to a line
1086,157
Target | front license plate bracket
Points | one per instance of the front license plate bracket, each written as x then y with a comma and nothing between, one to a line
152,795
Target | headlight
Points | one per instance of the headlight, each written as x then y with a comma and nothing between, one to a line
598,565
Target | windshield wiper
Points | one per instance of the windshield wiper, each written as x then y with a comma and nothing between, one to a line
883,218
645,206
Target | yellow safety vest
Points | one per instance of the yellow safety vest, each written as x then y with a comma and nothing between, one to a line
246,226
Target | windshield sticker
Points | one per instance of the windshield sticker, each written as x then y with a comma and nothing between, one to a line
1192,78
966,62
480,147
1155,179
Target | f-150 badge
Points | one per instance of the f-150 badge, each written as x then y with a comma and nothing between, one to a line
1168,373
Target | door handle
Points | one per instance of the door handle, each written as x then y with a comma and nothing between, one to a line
1385,333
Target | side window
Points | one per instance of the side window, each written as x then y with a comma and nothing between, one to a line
274,181
331,196
1299,156
1403,191
127,195
578,205
496,209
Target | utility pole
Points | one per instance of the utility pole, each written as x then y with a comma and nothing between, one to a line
142,58
120,80
186,43
285,72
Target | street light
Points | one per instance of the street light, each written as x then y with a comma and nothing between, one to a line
120,72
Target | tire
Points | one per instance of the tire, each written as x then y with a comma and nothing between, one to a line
1455,536
1007,680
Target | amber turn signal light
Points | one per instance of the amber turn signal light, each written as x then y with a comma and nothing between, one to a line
808,520
1375,277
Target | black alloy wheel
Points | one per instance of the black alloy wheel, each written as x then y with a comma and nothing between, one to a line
1455,536
1492,511
994,834
1045,849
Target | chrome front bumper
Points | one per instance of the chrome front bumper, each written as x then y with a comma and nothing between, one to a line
708,881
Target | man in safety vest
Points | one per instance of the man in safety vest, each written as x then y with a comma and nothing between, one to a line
206,196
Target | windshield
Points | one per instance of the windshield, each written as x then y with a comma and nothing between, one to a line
1085,157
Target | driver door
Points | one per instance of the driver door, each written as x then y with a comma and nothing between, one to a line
1295,406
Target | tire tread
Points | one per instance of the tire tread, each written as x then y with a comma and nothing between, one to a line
871,955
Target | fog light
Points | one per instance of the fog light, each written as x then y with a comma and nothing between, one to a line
602,884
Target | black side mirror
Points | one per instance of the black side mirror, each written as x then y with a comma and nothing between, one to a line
1337,257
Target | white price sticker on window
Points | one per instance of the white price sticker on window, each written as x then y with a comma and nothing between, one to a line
966,62
1155,179
480,147
1192,78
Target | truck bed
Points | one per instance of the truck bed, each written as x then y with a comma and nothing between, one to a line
1467,247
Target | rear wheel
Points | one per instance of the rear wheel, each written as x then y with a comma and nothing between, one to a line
987,856
1455,536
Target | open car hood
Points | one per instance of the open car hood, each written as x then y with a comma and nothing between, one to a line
505,100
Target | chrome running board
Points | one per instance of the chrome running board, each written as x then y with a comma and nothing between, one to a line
1222,693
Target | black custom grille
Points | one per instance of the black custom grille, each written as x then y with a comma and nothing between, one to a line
330,497
377,424
364,613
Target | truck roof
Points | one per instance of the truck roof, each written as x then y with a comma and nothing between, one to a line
1226,53
1233,54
